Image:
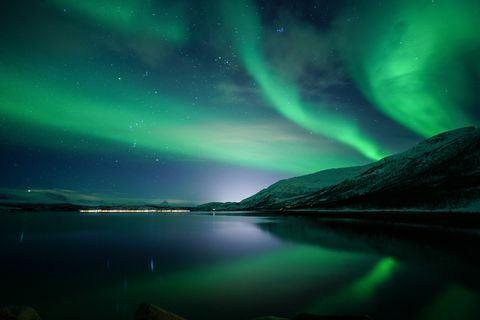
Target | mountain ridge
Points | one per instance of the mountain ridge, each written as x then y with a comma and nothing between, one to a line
439,173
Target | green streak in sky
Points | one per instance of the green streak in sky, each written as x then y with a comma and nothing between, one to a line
359,292
163,20
245,29
133,117
414,60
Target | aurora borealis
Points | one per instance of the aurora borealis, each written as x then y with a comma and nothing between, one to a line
214,100
418,62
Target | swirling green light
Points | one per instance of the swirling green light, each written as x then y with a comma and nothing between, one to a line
414,60
245,28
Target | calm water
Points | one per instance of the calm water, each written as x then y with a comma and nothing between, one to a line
72,266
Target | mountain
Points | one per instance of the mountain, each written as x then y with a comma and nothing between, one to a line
290,189
49,196
72,200
440,173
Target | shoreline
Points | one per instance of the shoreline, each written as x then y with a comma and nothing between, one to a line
438,218
447,219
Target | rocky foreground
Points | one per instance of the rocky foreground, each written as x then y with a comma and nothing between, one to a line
148,311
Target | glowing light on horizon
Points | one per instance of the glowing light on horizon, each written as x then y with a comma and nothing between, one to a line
132,210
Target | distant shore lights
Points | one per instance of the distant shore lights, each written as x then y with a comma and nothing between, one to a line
132,210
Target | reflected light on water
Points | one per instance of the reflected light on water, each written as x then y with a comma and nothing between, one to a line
152,265
360,291
382,272
466,304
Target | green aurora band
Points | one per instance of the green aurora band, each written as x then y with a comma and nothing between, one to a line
134,17
245,28
159,123
415,59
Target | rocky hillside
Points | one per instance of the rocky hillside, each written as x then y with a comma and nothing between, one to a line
440,173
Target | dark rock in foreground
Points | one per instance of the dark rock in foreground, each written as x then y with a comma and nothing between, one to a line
18,313
148,311
307,316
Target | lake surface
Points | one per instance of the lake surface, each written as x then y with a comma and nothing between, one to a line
97,266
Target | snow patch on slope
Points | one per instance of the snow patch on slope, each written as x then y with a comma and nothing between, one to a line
297,186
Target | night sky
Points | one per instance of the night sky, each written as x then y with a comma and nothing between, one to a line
214,100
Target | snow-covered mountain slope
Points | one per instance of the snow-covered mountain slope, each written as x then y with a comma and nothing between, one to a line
292,188
442,172
289,189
